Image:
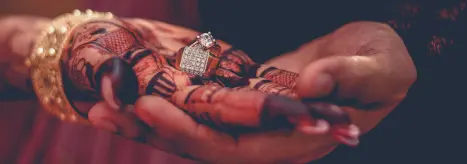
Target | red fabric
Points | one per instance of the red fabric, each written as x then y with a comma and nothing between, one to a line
28,135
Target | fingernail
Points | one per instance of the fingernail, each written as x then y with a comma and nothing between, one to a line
108,93
354,130
123,80
347,141
106,125
331,113
320,127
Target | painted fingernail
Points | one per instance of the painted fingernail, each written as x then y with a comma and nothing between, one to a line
108,93
320,127
123,80
351,131
354,130
347,141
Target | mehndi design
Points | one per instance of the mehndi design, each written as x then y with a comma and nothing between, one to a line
140,64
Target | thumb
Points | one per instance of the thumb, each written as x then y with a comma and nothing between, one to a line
339,76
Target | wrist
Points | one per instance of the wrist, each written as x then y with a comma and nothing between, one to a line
16,37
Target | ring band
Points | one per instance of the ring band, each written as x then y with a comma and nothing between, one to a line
199,58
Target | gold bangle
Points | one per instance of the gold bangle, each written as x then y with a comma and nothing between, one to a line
45,59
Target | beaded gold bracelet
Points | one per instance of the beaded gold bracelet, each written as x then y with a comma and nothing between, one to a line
44,63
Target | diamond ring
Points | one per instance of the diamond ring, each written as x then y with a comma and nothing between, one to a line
200,58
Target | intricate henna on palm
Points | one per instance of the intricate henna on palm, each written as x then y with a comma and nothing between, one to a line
231,100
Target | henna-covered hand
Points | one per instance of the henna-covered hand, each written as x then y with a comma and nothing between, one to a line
112,60
101,50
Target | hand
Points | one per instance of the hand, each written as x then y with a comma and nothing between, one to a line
166,127
173,130
363,67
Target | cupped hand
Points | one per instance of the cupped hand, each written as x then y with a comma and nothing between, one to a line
363,67
159,123
152,121
172,130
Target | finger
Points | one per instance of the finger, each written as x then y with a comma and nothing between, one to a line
347,135
88,65
232,110
276,75
272,146
267,86
185,136
96,118
200,141
230,79
108,93
118,82
349,74
238,56
359,84
220,107
305,116
232,67
126,124
101,49
320,127
350,131
347,141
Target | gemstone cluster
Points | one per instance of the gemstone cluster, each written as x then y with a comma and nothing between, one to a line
194,60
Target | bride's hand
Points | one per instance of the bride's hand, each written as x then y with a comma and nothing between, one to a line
165,126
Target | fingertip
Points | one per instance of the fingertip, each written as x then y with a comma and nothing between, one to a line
320,127
314,82
353,142
354,130
97,115
122,81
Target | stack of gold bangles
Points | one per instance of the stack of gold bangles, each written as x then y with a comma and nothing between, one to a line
45,59
200,58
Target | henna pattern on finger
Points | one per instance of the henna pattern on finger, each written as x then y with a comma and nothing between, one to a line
279,76
241,110
270,87
235,64
204,104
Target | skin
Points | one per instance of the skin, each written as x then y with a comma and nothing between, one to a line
120,50
362,67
